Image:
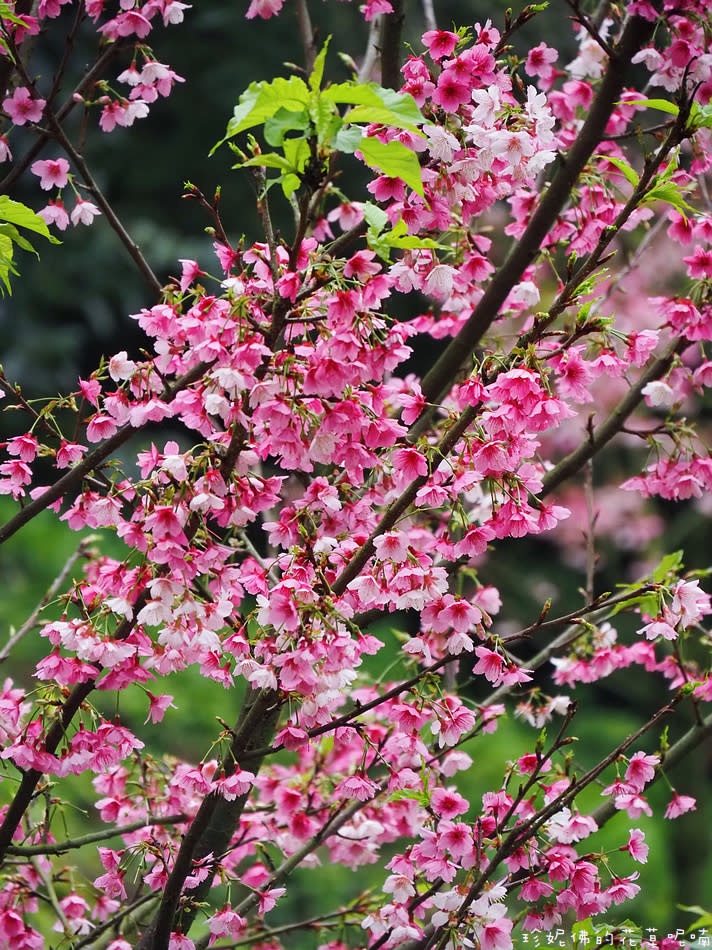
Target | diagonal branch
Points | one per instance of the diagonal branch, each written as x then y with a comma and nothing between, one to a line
73,478
575,460
52,591
437,382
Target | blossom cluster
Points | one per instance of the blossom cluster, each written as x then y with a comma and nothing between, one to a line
301,483
27,106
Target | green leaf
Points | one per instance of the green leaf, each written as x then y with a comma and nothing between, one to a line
394,160
17,213
289,183
14,214
622,166
262,100
283,121
317,73
373,103
376,217
6,265
670,564
670,193
405,794
326,120
700,116
347,140
297,153
268,160
662,105
11,231
704,920
398,237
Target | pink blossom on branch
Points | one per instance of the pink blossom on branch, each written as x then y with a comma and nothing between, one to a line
22,107
314,486
52,172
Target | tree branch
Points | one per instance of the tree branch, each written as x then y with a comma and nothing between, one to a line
73,478
391,46
614,423
212,829
71,844
52,591
438,380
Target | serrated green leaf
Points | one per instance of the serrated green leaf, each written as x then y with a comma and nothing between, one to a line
376,217
670,193
283,121
373,103
6,265
6,249
394,160
7,14
381,116
405,794
317,73
630,173
17,213
11,231
262,100
662,105
670,564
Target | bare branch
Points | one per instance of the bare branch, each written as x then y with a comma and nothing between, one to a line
52,592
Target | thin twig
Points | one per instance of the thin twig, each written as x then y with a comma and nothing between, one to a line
590,530
44,135
306,32
132,912
107,208
613,424
52,591
71,844
73,477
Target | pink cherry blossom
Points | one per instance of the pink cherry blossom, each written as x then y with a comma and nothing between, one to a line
55,214
22,107
52,172
83,212
679,804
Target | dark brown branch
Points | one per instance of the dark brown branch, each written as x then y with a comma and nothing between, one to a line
306,33
71,844
440,377
213,827
73,478
391,46
614,423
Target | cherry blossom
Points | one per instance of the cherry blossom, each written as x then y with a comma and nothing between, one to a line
345,432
